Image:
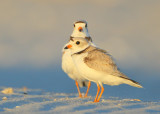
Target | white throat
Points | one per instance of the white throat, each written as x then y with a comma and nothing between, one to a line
83,34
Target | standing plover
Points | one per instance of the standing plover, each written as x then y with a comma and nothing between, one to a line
97,66
80,30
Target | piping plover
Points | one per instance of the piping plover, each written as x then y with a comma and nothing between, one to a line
97,66
80,30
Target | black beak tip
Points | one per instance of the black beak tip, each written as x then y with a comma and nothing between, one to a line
66,47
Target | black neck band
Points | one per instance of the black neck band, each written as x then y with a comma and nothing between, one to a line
81,51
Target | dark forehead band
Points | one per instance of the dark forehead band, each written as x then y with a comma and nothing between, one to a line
80,22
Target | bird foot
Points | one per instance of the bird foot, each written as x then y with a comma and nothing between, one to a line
95,101
80,96
85,96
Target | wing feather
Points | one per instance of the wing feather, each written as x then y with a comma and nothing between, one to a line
100,60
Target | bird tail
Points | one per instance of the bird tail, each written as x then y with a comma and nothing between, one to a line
131,82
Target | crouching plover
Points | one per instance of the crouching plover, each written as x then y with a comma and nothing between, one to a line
97,66
80,30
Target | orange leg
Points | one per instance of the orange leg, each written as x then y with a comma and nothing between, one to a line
102,90
98,89
80,95
89,85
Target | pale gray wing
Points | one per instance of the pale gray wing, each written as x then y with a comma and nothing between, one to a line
100,60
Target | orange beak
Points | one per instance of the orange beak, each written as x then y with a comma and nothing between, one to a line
69,46
80,29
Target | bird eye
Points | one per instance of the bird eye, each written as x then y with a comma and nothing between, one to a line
78,42
74,25
86,25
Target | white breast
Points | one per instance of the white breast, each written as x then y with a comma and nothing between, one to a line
69,67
